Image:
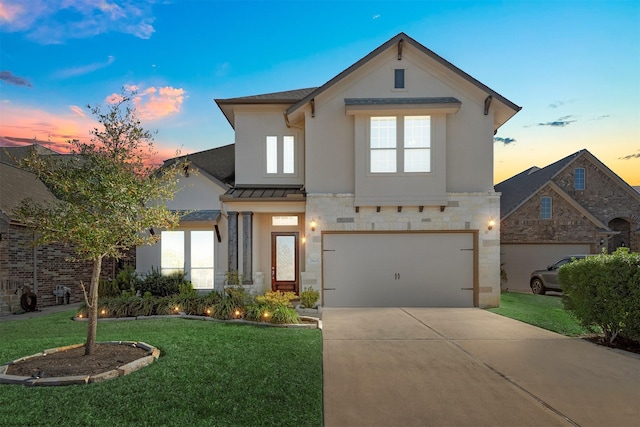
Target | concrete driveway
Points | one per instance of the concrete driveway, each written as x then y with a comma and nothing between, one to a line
468,367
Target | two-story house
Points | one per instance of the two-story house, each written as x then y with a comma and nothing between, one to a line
374,188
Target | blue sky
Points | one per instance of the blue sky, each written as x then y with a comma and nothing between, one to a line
574,66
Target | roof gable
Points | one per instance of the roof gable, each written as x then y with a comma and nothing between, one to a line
218,163
521,187
397,43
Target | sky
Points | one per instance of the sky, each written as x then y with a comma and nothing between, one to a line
573,66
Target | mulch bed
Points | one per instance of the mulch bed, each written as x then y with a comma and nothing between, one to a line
620,343
74,363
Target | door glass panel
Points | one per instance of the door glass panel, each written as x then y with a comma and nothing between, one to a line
285,258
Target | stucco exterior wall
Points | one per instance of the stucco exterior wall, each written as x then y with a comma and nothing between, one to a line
464,211
330,135
253,125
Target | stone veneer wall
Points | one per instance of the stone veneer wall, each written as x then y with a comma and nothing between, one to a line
464,211
565,226
17,267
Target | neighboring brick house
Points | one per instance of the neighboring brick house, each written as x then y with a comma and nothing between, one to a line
575,205
21,264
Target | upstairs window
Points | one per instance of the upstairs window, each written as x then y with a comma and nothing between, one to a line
417,144
280,155
383,144
398,78
578,179
545,207
400,143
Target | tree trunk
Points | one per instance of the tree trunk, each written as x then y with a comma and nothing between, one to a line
93,307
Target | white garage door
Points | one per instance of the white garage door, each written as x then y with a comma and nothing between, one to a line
398,269
519,260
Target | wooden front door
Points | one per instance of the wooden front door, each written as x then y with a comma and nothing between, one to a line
284,262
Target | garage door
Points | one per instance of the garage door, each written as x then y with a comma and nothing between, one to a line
519,260
398,269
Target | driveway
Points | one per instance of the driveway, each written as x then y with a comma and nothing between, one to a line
468,367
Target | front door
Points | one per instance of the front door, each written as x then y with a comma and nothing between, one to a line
284,262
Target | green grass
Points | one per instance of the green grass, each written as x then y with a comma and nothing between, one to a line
544,311
208,374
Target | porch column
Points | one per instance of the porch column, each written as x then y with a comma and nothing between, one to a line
247,247
233,241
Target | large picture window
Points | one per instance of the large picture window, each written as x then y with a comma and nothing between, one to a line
191,252
408,135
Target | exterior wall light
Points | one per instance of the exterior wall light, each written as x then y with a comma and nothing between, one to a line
492,222
313,225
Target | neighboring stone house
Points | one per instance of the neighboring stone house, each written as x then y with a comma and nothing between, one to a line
576,205
22,264
375,188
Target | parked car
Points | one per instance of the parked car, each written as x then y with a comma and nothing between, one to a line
547,280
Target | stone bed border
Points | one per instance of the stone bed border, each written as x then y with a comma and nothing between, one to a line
80,379
317,325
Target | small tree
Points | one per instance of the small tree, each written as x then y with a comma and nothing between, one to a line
108,198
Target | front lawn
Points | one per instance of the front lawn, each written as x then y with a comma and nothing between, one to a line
208,374
544,311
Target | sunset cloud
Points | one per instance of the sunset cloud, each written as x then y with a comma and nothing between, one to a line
561,122
153,103
8,77
42,20
505,141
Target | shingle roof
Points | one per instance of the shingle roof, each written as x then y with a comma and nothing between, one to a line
218,162
284,97
288,97
9,155
18,184
267,193
520,187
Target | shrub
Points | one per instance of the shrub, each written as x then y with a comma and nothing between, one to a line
309,297
282,315
273,307
604,291
127,278
162,285
108,289
231,304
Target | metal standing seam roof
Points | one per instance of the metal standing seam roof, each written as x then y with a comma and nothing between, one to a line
265,193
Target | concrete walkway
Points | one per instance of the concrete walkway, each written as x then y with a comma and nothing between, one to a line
468,367
40,312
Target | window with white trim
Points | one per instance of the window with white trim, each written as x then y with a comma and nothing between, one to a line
191,252
280,155
545,207
578,179
400,143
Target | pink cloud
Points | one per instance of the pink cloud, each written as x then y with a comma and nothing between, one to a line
153,103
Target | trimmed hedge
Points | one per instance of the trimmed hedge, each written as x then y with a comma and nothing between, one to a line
604,291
